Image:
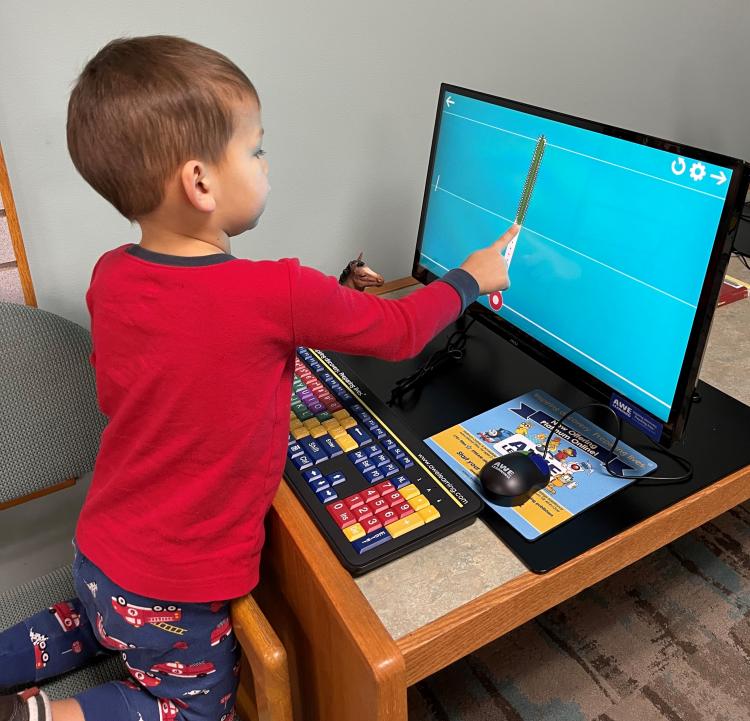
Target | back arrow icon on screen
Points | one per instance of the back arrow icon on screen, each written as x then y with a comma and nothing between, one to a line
720,178
449,101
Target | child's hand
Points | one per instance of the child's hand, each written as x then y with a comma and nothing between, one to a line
358,276
488,265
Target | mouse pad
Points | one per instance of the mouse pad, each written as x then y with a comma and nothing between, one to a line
577,454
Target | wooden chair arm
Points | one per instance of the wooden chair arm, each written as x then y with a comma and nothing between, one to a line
267,659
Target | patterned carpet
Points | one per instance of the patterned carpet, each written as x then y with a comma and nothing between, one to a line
666,639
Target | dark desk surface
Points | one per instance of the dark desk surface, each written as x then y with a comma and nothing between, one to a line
493,372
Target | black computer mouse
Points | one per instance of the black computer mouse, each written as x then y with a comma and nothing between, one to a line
513,475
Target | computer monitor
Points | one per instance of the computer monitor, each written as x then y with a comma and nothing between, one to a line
617,268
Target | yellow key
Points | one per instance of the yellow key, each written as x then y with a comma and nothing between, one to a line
408,492
341,414
430,513
419,502
346,442
295,423
348,422
337,431
354,532
331,423
311,423
298,433
317,431
404,525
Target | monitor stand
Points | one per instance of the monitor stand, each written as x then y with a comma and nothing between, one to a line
493,372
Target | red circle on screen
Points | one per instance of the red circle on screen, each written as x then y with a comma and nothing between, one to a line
496,301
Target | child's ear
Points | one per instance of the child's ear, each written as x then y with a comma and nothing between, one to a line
197,184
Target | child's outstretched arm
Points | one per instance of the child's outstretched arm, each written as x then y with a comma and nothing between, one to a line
325,315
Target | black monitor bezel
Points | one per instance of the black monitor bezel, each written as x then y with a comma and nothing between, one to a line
673,428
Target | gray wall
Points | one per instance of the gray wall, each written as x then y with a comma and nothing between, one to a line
349,91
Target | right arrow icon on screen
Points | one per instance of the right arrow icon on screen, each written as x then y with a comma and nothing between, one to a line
720,178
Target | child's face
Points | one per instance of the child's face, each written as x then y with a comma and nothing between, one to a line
243,174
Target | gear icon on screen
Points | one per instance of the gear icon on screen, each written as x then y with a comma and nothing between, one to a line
697,171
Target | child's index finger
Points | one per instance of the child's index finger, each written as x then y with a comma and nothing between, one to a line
506,237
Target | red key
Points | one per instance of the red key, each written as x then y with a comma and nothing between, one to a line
385,488
378,506
388,517
393,499
354,501
372,524
370,494
335,406
335,508
362,512
403,510
344,519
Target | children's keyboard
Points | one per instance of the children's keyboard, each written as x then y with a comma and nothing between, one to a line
375,491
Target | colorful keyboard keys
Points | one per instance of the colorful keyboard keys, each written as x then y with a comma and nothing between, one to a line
326,422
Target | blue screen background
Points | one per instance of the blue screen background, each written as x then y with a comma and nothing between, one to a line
609,265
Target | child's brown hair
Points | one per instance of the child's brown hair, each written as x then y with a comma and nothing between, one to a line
142,107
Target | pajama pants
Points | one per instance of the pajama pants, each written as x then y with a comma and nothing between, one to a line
182,658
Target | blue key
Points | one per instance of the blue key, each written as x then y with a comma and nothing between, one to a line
400,481
346,397
360,435
390,444
335,478
313,449
330,446
357,409
370,423
398,454
295,450
312,475
380,460
374,450
366,465
371,540
357,457
389,470
302,462
373,475
378,432
320,484
327,495
406,463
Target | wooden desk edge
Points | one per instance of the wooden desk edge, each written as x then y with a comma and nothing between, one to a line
352,648
437,644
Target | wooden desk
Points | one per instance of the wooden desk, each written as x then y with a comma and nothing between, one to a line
353,653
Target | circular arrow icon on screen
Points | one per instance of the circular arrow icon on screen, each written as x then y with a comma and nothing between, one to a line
679,166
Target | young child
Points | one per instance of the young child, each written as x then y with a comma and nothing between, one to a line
194,353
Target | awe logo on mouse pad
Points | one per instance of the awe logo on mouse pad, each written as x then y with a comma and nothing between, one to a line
577,454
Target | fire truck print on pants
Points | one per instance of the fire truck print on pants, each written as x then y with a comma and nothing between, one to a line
180,660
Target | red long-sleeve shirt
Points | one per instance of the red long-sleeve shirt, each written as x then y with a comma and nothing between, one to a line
194,360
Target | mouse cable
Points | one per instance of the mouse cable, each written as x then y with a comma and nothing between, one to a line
453,351
669,480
